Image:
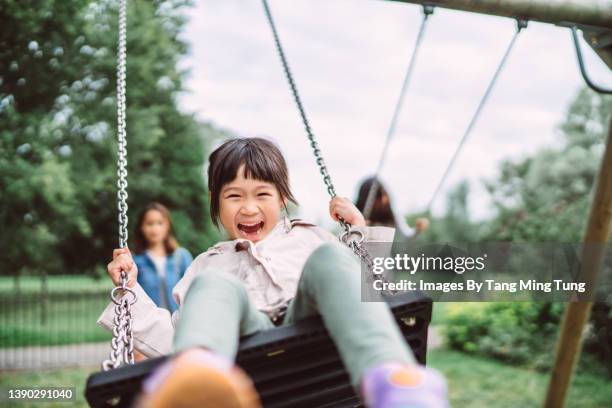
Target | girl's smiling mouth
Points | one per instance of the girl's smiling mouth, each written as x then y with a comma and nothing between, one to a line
251,229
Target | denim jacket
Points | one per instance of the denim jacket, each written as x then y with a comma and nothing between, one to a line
148,278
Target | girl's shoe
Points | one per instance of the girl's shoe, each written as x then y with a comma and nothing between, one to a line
198,378
402,386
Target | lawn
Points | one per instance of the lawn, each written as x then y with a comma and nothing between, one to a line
480,382
473,381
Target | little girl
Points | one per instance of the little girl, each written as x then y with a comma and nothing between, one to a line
161,263
272,271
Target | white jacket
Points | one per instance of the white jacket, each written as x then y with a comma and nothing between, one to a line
270,270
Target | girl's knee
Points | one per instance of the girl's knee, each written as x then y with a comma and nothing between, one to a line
329,259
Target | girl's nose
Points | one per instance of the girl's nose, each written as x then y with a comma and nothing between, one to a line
249,208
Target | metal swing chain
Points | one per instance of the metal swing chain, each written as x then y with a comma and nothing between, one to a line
122,343
369,203
520,25
354,244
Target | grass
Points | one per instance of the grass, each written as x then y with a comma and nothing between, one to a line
443,310
480,382
473,382
70,377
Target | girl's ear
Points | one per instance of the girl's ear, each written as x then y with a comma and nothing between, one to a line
283,203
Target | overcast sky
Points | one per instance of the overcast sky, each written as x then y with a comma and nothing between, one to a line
349,58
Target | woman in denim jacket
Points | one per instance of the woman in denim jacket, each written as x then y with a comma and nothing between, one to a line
161,262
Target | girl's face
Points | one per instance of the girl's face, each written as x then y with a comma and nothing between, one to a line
248,208
155,227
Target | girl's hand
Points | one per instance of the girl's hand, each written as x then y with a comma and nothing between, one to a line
122,261
341,207
421,224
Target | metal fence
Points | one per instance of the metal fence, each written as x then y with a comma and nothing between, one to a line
52,328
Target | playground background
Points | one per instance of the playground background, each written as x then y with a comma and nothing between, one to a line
58,215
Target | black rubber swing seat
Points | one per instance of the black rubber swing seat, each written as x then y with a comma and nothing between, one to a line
291,366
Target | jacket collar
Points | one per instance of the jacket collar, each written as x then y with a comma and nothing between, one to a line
283,226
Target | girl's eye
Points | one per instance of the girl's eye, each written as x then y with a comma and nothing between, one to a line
264,195
233,196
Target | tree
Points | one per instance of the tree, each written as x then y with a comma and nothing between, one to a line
57,132
546,197
455,226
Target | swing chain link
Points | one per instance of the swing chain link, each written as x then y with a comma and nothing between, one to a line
355,245
520,25
313,142
122,343
122,183
373,191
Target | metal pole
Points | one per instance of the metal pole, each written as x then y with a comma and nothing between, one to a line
597,13
592,254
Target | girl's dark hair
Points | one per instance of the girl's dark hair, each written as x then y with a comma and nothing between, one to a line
381,213
140,242
262,160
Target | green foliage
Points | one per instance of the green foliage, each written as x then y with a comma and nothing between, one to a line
516,332
541,198
546,197
57,138
522,333
456,225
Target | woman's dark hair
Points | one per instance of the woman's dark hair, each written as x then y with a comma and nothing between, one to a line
140,242
381,212
262,160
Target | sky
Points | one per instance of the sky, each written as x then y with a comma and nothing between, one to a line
349,58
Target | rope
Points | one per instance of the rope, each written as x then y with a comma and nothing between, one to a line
519,27
367,210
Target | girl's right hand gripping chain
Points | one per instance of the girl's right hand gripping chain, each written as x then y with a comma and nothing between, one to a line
122,261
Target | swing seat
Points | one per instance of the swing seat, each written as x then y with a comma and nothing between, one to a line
291,366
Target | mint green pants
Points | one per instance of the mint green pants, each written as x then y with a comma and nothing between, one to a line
217,311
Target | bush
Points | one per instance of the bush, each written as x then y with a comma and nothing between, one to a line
524,333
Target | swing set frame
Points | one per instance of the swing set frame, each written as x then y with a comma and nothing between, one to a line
594,17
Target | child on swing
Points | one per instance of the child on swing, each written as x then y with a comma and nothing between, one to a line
272,271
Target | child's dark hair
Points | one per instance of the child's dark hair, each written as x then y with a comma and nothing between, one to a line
140,242
262,160
381,213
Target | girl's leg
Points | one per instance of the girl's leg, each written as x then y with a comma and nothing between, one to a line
215,313
364,332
